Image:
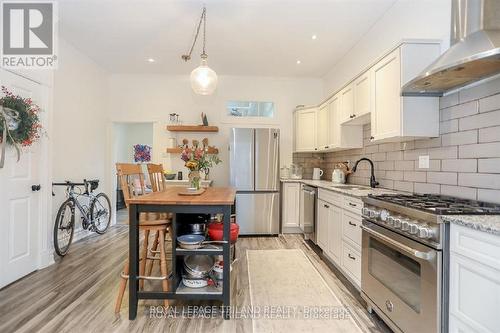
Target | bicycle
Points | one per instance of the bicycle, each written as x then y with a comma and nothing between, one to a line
95,215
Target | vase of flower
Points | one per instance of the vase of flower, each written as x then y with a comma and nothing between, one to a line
194,179
197,159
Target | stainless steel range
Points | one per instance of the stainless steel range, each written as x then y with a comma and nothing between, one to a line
405,257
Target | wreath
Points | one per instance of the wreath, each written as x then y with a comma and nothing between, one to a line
19,122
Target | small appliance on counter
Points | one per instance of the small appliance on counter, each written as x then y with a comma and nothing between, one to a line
284,172
317,173
295,171
340,172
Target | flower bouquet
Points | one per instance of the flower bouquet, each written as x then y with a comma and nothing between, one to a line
197,159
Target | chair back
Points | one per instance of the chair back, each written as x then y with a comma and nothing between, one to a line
156,177
131,180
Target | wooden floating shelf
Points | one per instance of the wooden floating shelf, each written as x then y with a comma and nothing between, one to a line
179,150
192,128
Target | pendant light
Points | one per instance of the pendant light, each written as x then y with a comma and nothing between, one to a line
203,78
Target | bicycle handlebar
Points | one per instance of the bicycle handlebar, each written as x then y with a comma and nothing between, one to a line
68,183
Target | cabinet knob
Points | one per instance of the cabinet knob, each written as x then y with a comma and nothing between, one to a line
353,224
372,138
36,188
351,257
326,206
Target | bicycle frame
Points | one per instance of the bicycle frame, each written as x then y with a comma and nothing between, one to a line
74,196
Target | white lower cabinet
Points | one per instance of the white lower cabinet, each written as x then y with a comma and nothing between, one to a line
474,281
322,224
339,232
334,249
351,262
290,205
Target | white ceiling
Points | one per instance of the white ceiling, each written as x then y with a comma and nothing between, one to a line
259,37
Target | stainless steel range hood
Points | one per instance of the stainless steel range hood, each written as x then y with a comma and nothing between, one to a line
474,53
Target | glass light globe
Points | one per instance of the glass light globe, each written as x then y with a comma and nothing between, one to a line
203,79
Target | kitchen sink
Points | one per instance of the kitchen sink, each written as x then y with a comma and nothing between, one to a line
350,187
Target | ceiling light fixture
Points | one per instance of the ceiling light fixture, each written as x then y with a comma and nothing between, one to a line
298,62
314,36
151,60
203,78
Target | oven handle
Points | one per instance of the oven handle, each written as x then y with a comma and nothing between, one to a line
428,256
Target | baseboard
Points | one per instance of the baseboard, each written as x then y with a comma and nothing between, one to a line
46,258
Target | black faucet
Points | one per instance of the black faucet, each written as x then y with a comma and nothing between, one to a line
373,182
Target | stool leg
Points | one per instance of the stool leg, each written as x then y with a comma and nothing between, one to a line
163,263
121,288
144,254
154,247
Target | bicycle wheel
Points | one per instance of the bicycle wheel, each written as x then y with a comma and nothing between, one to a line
100,213
64,227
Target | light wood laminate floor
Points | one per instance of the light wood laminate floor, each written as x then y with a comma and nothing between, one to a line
77,294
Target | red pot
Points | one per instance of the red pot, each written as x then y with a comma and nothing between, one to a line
215,231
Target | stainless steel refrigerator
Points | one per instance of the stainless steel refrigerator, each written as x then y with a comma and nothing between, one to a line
254,172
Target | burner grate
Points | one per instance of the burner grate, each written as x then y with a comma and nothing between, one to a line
440,204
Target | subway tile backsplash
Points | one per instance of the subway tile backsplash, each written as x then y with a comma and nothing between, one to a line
464,159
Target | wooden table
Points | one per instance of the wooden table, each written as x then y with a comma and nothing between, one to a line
214,200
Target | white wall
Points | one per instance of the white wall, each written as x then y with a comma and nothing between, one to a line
406,19
154,97
129,134
79,128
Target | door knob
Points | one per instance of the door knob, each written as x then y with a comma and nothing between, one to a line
36,188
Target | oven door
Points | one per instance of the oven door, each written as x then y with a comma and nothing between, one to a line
402,278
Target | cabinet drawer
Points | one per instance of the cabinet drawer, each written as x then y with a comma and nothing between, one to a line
351,262
330,197
351,227
477,245
353,204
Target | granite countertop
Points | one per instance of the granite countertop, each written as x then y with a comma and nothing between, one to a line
359,191
486,223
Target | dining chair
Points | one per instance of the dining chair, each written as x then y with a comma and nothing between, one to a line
131,179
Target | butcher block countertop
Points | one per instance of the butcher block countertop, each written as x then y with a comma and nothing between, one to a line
211,196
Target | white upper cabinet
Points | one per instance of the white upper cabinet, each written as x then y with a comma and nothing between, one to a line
305,129
394,117
347,103
362,99
323,117
334,124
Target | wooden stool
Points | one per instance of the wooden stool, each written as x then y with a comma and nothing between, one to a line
148,223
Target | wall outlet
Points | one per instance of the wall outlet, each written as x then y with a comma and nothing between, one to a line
423,162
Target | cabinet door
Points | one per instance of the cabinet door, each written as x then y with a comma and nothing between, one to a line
333,120
291,205
306,130
346,103
474,294
322,124
335,233
362,88
386,120
322,225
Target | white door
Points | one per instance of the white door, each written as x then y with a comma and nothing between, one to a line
19,205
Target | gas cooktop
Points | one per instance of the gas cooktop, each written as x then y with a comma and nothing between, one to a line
440,204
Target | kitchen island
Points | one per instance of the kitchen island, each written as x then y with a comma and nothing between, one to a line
213,201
